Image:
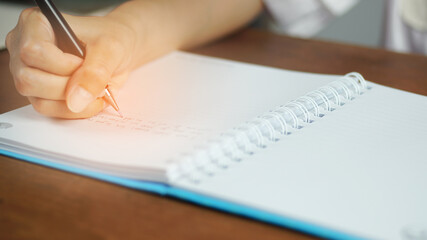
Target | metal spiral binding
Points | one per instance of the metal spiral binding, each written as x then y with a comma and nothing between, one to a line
232,146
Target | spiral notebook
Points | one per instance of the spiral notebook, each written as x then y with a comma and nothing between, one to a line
333,156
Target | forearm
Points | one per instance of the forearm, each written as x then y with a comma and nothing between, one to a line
164,25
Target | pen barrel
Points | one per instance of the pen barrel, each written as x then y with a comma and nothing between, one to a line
65,38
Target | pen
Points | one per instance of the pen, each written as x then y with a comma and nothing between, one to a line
67,40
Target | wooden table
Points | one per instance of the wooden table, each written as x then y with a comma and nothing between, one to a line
42,203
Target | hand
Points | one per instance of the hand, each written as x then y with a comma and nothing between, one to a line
62,85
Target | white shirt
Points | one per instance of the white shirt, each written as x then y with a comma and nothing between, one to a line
305,18
406,26
405,20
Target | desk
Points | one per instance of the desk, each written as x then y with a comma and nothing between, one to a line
42,203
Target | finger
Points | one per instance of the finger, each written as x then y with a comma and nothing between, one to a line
36,83
102,59
38,49
118,80
59,109
10,41
48,57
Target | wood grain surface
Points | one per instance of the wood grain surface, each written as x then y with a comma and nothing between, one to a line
42,203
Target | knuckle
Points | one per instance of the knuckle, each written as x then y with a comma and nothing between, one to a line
29,51
40,105
27,12
22,82
8,40
24,14
20,88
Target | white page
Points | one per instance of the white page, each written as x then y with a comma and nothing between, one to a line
361,169
170,106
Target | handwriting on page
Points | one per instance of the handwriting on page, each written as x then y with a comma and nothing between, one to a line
149,126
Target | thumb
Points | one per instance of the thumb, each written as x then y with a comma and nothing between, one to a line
89,81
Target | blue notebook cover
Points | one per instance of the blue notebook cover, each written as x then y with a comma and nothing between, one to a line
193,197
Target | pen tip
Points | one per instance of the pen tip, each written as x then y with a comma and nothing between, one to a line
110,99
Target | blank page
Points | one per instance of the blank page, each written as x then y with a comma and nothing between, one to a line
361,169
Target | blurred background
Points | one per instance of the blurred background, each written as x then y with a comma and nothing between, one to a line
11,9
360,22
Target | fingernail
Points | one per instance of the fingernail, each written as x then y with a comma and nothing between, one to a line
79,99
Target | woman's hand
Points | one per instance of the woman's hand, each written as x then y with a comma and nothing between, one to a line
62,85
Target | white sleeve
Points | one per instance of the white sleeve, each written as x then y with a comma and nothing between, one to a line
304,18
404,26
414,13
